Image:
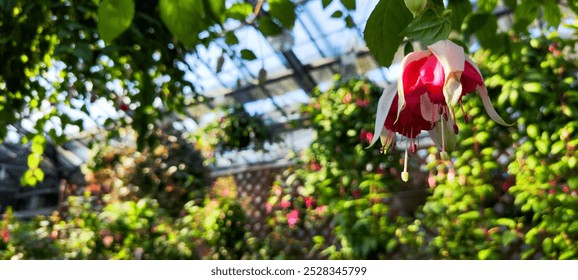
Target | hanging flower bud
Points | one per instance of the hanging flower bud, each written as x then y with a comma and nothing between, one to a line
415,6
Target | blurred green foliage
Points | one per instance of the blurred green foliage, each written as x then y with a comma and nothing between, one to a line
510,193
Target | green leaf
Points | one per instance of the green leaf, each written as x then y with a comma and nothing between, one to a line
248,55
572,162
557,147
573,227
391,245
513,4
268,27
326,3
239,11
438,3
552,12
573,184
486,254
484,26
428,28
283,11
533,131
542,147
337,14
506,222
348,4
568,255
383,29
533,87
547,245
38,174
318,239
231,38
349,23
487,6
460,9
34,160
28,179
183,18
216,9
37,148
471,215
526,12
508,237
114,17
573,4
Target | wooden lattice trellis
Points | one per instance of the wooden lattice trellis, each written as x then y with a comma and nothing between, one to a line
254,186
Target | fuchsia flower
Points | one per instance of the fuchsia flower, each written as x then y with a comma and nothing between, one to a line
432,83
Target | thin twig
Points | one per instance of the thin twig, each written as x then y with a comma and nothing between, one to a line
258,8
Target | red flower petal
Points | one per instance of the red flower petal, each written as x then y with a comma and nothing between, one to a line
470,79
410,122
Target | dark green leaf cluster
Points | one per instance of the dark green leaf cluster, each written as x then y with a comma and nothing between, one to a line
237,130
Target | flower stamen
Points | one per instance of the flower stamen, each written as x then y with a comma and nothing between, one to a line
466,117
404,174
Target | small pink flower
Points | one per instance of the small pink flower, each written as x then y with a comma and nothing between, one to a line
285,204
314,166
292,217
319,210
431,181
553,48
347,98
107,240
565,189
309,202
362,102
268,207
356,193
5,235
451,175
366,136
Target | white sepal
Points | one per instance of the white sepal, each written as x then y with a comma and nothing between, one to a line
452,58
488,106
428,109
383,106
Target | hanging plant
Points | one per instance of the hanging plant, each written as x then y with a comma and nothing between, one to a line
238,130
